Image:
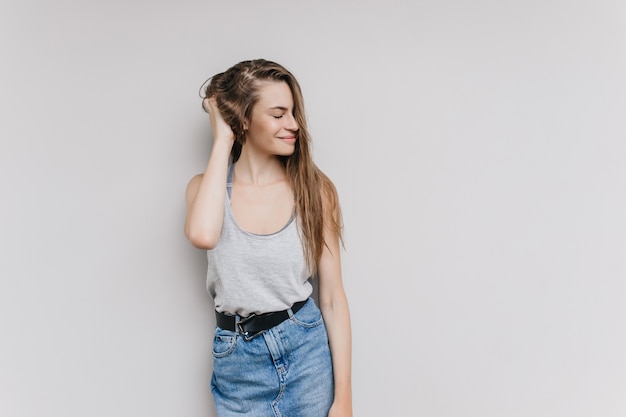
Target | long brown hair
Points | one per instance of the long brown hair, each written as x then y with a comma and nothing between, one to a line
317,205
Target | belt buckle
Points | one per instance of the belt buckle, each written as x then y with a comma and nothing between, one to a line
244,333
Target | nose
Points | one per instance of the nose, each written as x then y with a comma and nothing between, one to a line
291,123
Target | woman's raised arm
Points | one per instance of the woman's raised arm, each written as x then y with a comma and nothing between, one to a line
206,192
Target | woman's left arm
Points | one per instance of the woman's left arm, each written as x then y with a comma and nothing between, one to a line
334,307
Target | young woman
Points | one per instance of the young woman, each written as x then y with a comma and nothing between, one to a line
271,223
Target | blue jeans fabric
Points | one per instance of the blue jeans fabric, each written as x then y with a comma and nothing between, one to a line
284,372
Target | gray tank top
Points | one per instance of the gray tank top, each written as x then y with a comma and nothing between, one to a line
250,273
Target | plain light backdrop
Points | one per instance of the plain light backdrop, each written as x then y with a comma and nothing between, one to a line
478,148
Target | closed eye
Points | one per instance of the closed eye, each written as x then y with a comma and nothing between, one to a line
278,109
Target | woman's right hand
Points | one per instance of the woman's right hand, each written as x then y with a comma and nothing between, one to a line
221,129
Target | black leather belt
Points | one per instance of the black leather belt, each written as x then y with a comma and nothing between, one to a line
255,324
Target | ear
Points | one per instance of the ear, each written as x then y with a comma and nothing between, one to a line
205,105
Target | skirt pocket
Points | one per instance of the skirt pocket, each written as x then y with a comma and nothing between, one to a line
224,342
308,316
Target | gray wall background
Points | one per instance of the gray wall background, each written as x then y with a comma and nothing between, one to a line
478,148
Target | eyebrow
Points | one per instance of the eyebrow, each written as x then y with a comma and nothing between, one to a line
279,108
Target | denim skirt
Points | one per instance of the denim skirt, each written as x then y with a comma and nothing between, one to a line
285,371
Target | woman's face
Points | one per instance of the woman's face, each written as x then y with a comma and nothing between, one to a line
272,128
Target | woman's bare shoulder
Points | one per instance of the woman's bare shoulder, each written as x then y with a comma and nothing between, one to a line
192,188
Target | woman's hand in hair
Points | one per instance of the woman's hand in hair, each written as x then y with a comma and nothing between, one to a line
221,129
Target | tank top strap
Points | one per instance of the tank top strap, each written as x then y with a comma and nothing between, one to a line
229,180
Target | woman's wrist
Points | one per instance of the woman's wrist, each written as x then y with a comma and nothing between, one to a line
222,145
343,397
341,407
225,139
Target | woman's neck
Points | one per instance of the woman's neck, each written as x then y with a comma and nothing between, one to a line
258,170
